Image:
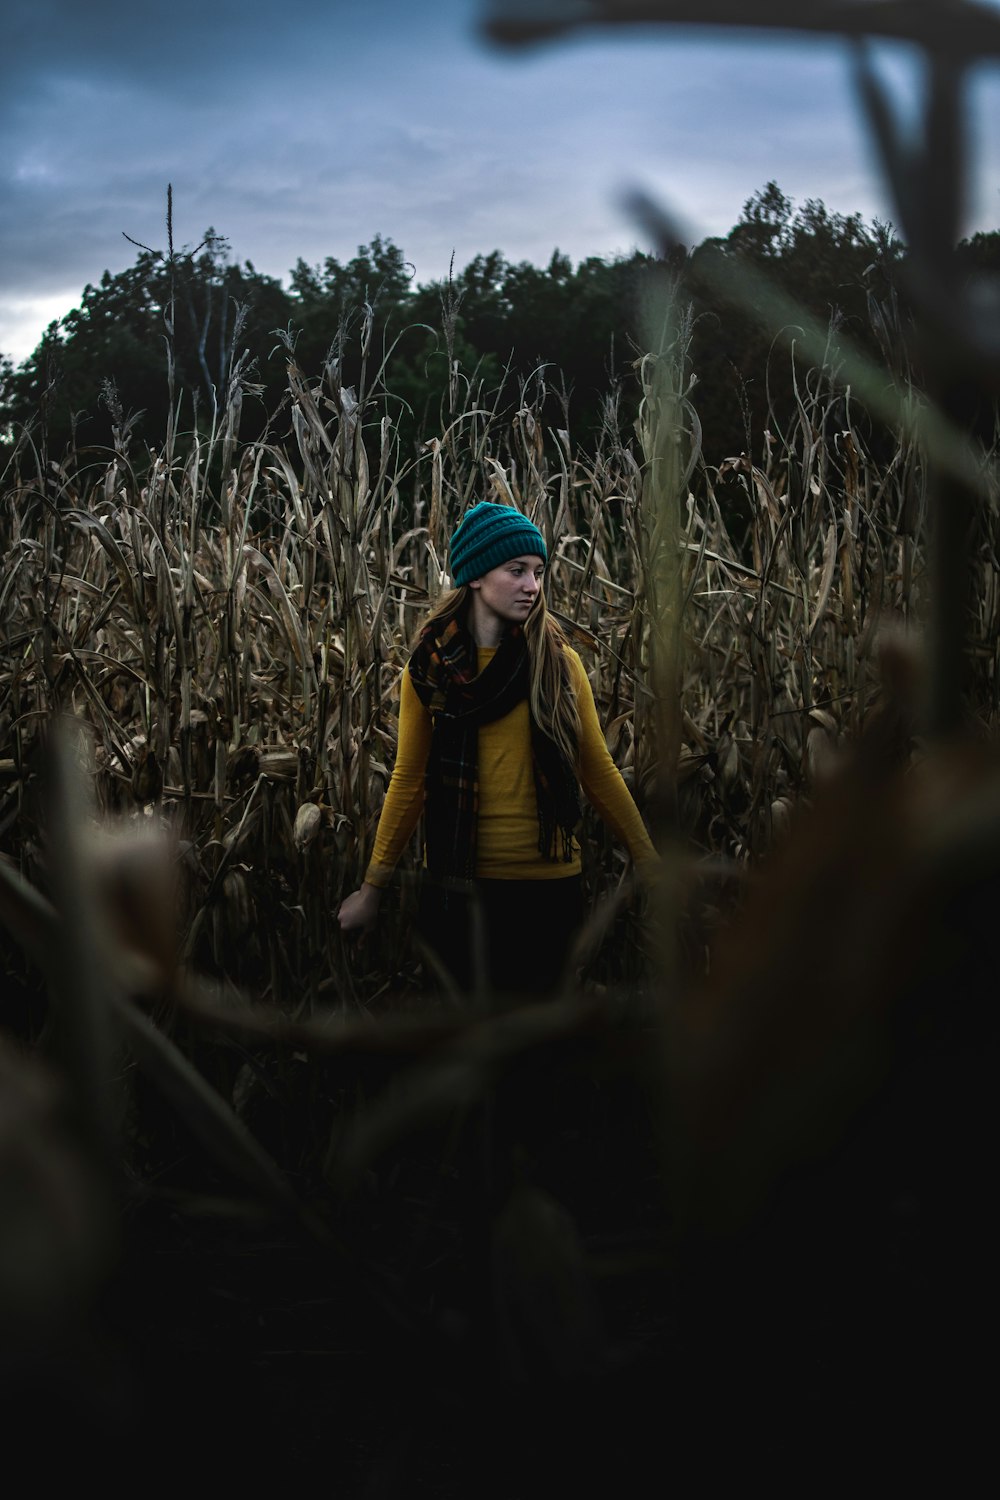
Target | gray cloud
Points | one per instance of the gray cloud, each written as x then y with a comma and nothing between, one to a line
182,45
302,131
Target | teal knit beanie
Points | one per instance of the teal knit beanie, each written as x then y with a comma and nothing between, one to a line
489,535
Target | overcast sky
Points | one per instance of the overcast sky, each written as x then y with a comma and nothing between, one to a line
302,129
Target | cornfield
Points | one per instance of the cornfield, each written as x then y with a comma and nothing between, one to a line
224,625
230,623
731,1178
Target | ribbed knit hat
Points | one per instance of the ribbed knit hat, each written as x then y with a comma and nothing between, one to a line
489,535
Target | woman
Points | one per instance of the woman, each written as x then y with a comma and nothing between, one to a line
497,732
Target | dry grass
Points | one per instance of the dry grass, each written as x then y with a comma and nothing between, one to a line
231,621
227,622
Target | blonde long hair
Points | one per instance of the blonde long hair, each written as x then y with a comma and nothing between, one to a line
551,694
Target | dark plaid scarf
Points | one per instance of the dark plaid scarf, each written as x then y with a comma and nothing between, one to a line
443,669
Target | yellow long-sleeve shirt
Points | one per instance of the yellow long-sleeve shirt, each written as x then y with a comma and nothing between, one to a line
507,831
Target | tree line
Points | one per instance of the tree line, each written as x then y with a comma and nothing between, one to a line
98,376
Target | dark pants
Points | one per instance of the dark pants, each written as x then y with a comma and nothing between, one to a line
513,936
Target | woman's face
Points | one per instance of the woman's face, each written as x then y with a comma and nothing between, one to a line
509,591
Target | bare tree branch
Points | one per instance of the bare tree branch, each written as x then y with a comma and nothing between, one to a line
961,28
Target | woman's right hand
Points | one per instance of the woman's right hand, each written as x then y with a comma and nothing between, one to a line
358,912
